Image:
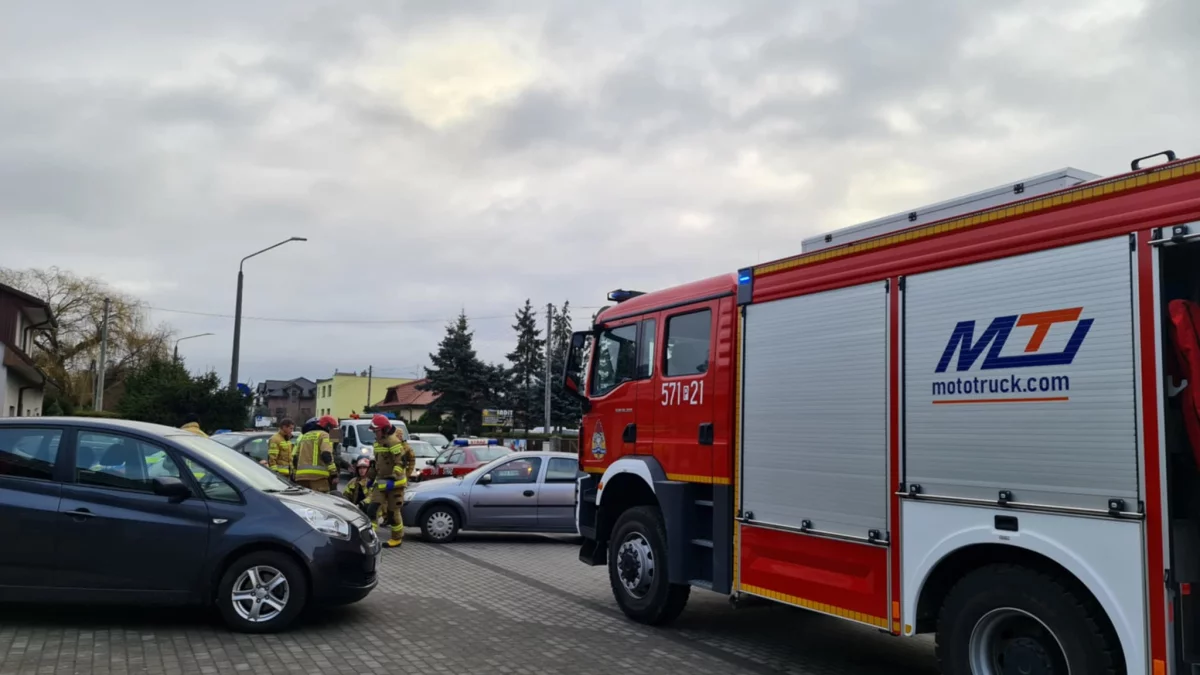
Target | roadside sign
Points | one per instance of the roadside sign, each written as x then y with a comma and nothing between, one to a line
497,418
262,422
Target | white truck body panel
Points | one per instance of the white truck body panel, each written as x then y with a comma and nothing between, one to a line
984,413
1104,554
985,199
815,421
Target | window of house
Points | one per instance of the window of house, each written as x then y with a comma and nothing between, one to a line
687,341
29,453
645,350
117,461
616,359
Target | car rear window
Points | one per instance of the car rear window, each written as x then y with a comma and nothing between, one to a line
489,454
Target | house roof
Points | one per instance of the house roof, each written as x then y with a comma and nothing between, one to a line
407,396
40,308
278,388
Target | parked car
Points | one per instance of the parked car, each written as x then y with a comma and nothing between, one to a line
253,444
358,440
525,492
465,455
429,470
424,453
438,441
128,512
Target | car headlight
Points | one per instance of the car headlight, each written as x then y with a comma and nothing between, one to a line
321,521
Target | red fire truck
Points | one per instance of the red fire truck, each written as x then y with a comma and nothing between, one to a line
969,420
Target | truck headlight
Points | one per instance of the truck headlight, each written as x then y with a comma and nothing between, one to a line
321,521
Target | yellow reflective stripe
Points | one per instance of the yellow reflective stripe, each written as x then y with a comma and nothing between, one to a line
323,473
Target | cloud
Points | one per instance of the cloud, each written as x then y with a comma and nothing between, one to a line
468,155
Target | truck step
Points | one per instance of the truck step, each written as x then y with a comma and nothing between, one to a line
700,583
588,497
704,502
706,543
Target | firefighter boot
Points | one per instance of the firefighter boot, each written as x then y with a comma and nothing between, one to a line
396,537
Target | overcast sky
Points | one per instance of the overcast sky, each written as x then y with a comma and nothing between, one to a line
470,154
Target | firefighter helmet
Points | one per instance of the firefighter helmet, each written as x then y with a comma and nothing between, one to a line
363,463
327,422
380,422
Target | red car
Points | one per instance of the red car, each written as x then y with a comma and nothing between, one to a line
463,457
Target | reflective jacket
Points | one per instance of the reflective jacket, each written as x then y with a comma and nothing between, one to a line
194,428
279,453
393,459
357,489
309,463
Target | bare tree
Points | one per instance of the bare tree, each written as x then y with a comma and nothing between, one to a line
67,353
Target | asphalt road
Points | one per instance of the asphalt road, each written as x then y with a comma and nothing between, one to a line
485,604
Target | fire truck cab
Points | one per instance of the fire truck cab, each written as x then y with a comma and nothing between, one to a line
971,419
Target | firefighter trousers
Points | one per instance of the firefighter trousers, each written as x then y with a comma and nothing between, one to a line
390,501
314,484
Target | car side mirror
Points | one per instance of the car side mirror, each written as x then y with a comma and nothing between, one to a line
171,488
485,479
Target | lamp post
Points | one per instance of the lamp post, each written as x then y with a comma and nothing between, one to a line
237,316
187,338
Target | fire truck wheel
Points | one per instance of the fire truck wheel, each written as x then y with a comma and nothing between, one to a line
637,568
1005,619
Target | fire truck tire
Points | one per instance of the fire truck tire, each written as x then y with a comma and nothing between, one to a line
1009,618
637,568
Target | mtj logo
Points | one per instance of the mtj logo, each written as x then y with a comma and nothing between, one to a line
996,335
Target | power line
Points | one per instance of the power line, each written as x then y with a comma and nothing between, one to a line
376,322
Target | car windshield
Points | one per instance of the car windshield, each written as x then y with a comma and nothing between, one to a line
422,449
365,435
491,453
228,440
232,462
436,440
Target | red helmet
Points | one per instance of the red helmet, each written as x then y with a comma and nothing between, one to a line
327,422
380,422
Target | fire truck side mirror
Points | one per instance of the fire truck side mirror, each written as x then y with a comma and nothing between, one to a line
576,361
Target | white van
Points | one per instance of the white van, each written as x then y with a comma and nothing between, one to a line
358,440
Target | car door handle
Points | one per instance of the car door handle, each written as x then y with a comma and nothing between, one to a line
528,493
81,514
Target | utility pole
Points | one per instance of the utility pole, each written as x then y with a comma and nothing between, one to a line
370,374
98,399
549,345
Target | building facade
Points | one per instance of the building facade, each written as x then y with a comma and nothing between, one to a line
22,384
295,398
347,393
407,401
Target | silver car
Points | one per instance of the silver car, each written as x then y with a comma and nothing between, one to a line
521,492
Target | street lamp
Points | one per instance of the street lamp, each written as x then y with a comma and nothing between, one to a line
237,316
187,338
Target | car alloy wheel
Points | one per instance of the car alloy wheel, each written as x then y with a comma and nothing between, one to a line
260,594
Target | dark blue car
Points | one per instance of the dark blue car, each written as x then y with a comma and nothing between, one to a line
103,511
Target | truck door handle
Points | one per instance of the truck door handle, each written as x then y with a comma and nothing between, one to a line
630,433
706,433
81,514
528,493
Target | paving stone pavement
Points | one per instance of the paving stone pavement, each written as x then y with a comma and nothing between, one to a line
485,604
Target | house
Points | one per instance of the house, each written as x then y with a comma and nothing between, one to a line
347,393
407,401
22,384
295,398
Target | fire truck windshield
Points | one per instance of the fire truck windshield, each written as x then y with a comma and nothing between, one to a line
616,358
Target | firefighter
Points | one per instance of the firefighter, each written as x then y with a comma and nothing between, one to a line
315,468
358,490
393,460
280,449
192,423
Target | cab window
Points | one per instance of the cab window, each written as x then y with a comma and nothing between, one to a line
28,453
687,339
616,358
517,471
646,342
